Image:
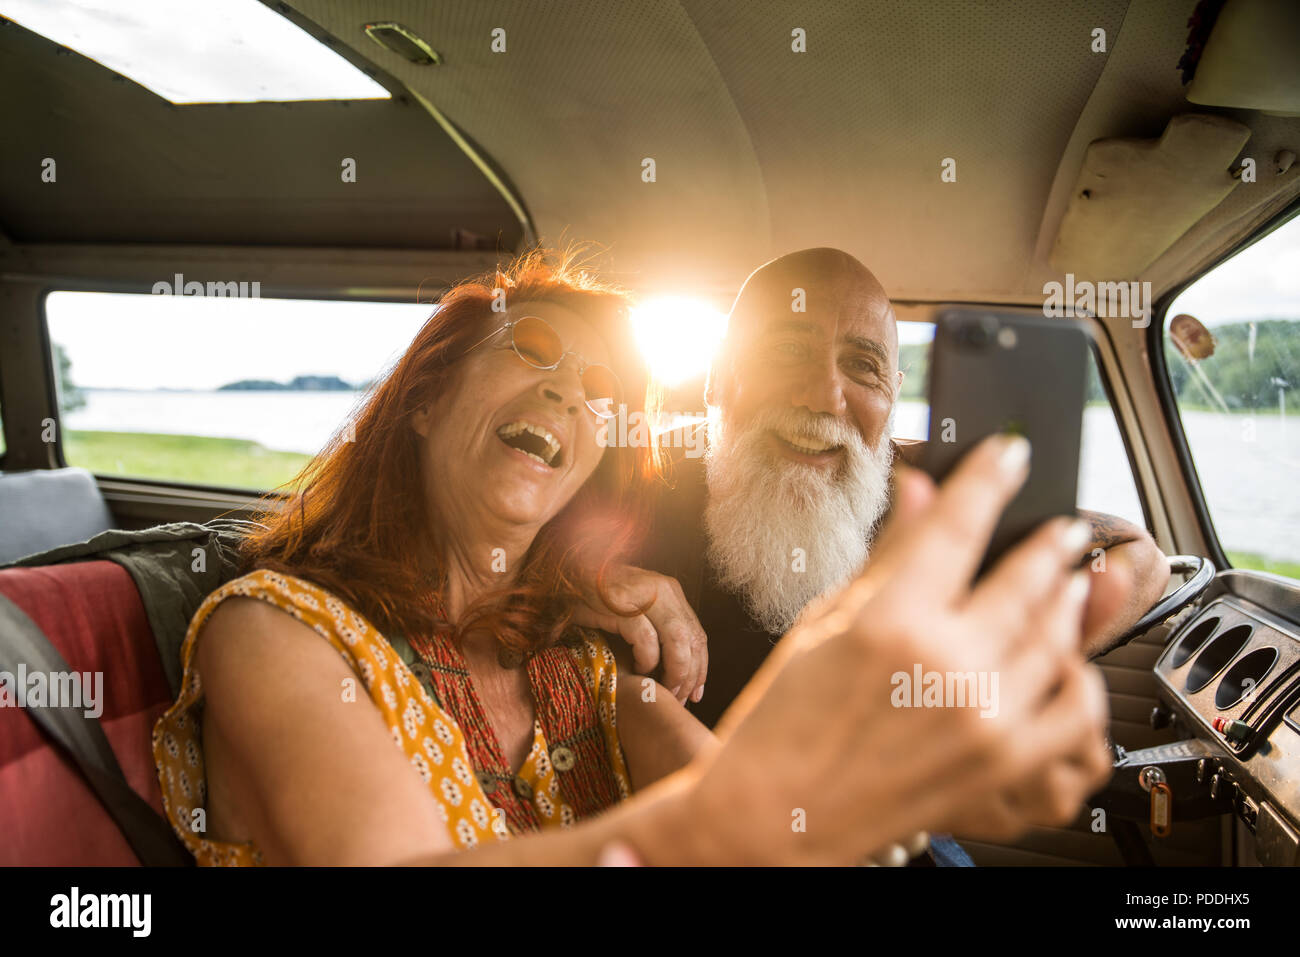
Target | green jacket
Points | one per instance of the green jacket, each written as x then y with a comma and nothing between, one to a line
175,567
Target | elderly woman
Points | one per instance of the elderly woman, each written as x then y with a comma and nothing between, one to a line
400,676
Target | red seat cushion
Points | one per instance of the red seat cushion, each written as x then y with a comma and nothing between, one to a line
92,613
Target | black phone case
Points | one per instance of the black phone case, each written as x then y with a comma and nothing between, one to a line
993,372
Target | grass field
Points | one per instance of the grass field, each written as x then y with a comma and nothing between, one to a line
233,463
1257,562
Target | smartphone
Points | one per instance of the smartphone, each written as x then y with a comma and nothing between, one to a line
1006,372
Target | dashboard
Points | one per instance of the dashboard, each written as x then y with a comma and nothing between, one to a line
1230,678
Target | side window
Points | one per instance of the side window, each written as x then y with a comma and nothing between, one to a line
208,390
912,410
1232,349
1105,476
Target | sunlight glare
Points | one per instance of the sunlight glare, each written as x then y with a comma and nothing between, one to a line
678,336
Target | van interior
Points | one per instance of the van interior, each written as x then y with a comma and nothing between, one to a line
194,290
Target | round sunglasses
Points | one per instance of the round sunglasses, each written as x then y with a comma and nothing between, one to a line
538,344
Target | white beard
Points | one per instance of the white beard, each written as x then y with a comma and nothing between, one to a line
761,507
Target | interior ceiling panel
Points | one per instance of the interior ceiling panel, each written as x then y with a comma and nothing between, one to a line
130,167
757,149
851,136
1135,96
583,94
761,150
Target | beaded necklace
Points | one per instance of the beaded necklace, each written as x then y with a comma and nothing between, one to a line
566,710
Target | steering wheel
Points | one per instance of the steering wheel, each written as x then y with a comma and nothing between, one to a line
1202,572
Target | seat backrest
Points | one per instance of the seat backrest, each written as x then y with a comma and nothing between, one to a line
92,613
48,507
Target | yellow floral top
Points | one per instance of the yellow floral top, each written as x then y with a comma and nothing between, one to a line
428,736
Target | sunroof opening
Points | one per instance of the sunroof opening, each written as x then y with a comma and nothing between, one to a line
199,51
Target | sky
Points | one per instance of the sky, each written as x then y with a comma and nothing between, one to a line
1263,282
118,340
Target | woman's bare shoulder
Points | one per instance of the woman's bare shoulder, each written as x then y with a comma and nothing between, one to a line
301,756
250,634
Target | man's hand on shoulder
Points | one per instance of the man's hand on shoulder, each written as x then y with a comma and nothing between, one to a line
666,632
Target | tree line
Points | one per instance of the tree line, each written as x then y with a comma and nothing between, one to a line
1244,375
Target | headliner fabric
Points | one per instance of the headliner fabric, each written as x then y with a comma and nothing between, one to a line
851,135
761,150
582,95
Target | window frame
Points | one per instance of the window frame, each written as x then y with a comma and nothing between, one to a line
1102,334
1169,402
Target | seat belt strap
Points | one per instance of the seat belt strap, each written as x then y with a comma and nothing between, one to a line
82,738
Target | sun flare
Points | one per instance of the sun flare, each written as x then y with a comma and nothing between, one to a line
678,336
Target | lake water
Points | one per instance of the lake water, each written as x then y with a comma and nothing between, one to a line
284,421
1248,467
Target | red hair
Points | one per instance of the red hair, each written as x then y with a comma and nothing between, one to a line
357,521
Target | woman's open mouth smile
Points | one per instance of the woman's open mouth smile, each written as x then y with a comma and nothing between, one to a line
534,442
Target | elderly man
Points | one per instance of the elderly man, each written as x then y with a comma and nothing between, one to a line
797,475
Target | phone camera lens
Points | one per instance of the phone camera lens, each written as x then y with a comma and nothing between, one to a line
977,334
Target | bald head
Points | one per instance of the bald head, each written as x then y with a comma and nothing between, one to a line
823,280
813,330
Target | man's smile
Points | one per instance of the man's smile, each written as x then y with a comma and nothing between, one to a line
805,448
